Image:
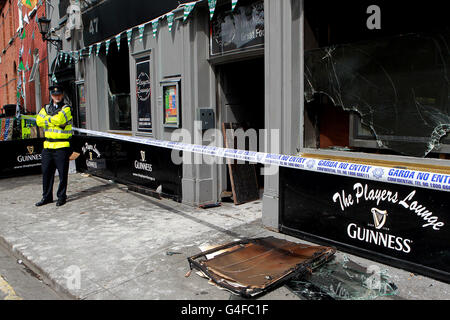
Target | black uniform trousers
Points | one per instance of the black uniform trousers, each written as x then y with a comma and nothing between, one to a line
52,160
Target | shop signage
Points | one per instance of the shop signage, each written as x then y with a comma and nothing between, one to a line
20,157
399,225
102,21
237,30
143,94
129,163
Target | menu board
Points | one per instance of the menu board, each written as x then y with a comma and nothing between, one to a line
143,94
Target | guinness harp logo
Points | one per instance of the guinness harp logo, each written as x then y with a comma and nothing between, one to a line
30,149
379,218
143,156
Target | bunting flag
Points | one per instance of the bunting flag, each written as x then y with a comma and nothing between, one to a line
27,67
54,80
107,43
141,32
212,8
90,51
30,4
129,35
99,45
21,66
188,7
233,4
170,17
23,34
155,24
25,19
118,41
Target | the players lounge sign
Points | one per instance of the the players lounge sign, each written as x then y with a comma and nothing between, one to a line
404,226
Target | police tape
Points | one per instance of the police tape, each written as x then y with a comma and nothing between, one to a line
420,179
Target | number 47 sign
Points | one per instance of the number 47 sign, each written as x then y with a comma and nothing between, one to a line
93,26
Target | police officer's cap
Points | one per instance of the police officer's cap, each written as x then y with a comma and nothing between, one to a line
56,90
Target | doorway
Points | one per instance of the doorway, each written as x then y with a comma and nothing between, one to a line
241,105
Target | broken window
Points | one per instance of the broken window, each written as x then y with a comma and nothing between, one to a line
384,92
399,87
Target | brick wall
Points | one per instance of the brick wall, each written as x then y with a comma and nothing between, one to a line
9,23
33,44
8,52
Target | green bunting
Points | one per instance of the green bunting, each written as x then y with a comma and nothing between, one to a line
233,4
23,35
212,8
141,32
155,24
21,66
129,36
99,45
188,7
107,43
118,41
170,17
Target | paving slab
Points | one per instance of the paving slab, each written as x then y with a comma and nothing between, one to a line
108,243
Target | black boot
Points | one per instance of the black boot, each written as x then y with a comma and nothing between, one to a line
43,202
60,202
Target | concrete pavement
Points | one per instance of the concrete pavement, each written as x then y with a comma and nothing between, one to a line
109,243
17,282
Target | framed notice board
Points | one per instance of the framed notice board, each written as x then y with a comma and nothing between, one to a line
171,104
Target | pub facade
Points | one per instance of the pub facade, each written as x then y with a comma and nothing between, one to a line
358,92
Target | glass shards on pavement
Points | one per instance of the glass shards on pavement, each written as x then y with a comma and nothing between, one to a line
343,279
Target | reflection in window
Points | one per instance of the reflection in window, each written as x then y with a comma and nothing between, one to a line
119,101
397,86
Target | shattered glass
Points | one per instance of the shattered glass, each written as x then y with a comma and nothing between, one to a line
399,86
343,279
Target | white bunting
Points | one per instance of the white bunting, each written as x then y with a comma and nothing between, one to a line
170,17
188,7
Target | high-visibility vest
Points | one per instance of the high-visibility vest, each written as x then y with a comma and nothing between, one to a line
57,128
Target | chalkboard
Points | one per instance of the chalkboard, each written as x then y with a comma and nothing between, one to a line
243,178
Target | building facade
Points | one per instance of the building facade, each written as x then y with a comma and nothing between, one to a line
24,57
134,70
9,25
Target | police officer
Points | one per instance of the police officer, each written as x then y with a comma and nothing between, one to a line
56,119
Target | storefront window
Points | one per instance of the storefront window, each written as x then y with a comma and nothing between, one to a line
383,93
81,100
119,88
